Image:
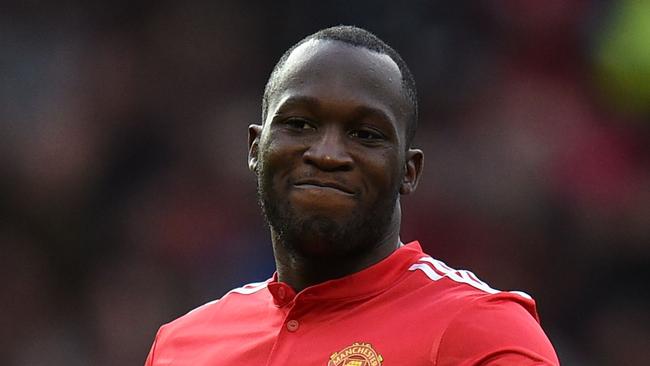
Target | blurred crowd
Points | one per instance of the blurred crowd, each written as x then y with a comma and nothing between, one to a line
126,200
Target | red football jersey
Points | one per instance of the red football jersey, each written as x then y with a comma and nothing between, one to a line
407,310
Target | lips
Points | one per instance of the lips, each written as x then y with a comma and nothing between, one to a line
327,184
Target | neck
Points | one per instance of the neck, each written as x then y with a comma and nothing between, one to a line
300,272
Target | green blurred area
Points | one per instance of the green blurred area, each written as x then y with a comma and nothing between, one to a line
623,56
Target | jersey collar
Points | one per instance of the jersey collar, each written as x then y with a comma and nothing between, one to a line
369,281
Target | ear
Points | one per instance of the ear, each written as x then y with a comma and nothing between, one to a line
254,134
413,171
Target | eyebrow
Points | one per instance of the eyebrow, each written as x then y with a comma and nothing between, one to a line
300,100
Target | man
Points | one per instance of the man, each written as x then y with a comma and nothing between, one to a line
332,157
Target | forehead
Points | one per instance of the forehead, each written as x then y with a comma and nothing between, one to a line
333,70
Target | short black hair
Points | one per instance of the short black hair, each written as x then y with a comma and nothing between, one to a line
356,37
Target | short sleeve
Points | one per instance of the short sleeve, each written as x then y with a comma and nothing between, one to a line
499,329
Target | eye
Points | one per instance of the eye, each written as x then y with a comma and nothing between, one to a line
299,124
367,135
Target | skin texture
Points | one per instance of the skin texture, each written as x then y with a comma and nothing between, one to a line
332,161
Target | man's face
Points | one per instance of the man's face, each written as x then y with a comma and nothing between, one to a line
330,156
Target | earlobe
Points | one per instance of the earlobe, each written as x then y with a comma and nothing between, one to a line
254,134
412,171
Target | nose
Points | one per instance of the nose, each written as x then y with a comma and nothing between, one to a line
329,152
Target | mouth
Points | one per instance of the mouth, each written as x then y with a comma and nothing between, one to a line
323,185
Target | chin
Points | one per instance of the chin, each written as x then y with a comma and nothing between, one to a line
322,237
322,229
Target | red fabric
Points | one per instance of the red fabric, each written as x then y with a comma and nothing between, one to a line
404,310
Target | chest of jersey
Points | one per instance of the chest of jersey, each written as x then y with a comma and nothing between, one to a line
380,330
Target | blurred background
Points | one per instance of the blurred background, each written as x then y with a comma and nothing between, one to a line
125,199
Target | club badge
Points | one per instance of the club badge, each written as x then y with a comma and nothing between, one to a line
357,354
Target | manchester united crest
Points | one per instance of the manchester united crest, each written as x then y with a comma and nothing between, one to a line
357,354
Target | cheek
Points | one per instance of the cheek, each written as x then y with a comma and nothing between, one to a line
383,174
278,145
276,161
270,148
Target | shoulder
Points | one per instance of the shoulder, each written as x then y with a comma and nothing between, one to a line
483,324
463,283
496,329
190,331
235,302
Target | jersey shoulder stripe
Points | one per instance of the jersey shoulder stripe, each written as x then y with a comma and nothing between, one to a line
250,288
247,289
436,270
